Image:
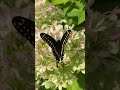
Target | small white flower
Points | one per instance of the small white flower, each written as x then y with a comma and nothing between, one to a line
42,69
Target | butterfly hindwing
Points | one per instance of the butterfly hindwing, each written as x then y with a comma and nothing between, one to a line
64,40
25,27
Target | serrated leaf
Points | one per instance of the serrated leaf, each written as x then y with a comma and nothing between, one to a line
73,13
81,17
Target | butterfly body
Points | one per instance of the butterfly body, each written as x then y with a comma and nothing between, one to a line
58,51
57,46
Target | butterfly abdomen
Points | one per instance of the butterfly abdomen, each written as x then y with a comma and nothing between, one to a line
60,50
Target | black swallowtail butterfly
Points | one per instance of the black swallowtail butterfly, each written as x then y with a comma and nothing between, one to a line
57,46
25,27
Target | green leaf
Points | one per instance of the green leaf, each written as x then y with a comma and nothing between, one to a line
65,9
56,2
81,80
69,21
81,17
73,13
72,1
80,4
75,86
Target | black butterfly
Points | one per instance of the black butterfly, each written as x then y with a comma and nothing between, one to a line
57,46
25,27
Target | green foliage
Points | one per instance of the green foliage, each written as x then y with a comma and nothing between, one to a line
102,50
48,19
63,76
73,10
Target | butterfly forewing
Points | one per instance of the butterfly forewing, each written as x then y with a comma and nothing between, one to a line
64,40
25,27
49,40
65,37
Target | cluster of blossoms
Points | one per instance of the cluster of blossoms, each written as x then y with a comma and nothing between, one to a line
73,60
